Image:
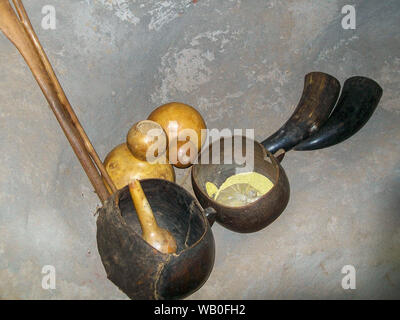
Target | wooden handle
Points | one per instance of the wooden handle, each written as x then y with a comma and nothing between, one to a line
157,237
61,94
143,209
20,32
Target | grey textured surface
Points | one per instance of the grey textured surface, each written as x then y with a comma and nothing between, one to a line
241,63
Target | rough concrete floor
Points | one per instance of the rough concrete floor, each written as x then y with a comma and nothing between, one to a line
241,63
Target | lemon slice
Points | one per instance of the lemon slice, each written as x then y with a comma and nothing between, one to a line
240,189
211,189
237,195
256,180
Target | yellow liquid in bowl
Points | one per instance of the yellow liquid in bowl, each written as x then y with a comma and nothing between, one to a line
240,189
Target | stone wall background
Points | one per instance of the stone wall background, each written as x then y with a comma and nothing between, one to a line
241,63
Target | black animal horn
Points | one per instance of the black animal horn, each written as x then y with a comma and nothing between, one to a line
359,98
319,96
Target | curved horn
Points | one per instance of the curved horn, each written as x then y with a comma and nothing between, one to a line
358,101
319,96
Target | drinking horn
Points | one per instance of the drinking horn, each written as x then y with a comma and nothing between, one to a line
319,96
358,101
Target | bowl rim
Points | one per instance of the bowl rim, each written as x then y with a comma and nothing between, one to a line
116,199
266,153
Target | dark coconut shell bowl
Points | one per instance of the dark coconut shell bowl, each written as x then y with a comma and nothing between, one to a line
256,215
138,269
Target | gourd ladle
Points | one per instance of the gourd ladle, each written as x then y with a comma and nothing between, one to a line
138,269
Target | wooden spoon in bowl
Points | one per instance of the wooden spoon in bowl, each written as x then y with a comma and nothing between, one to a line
157,237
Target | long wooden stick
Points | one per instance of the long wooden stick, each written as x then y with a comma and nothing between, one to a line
61,94
15,30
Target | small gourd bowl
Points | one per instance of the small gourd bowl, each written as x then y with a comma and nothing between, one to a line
253,216
138,269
